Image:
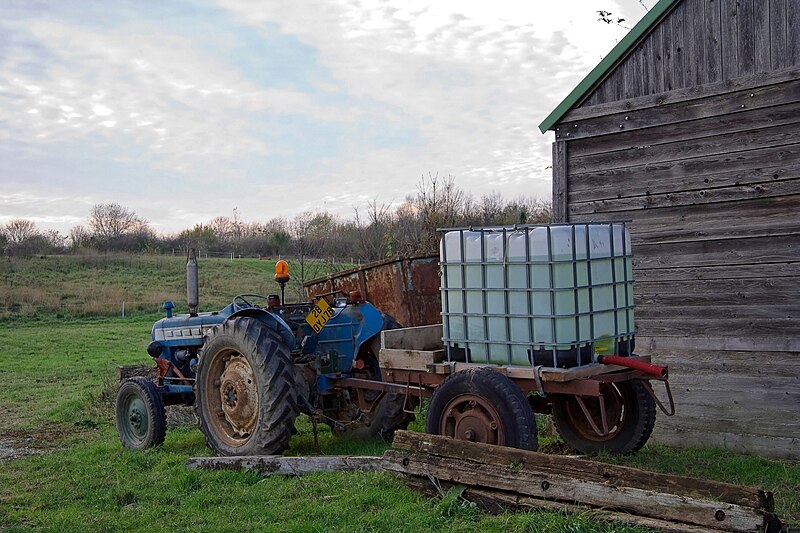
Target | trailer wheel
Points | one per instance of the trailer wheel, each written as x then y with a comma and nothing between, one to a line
387,411
482,405
630,416
140,416
246,395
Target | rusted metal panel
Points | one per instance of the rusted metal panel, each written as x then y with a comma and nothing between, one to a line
407,288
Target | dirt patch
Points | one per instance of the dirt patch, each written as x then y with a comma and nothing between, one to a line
15,444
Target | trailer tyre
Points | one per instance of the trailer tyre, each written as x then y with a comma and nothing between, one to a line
246,394
140,416
482,405
630,415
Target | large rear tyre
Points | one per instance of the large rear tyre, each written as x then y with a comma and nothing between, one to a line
246,395
140,416
482,405
385,412
630,417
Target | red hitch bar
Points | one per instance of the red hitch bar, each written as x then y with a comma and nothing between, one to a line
636,364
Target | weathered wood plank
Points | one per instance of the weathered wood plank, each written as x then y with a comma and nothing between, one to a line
677,344
727,272
714,43
559,487
761,39
560,161
678,44
289,466
746,46
689,327
648,185
792,33
718,312
710,417
416,338
728,38
498,501
618,476
699,72
410,359
666,56
702,166
749,226
744,291
672,433
705,362
681,131
777,34
688,198
774,249
691,92
728,103
759,135
681,217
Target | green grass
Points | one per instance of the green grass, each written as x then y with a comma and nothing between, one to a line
97,285
57,389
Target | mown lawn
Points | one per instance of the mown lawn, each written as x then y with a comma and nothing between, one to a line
56,388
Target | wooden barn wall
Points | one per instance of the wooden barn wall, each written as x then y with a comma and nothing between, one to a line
710,178
707,41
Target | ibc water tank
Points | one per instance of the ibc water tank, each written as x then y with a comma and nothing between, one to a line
551,295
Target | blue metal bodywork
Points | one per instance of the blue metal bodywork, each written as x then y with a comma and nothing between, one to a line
331,352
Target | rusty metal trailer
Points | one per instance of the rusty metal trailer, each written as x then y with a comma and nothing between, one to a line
596,407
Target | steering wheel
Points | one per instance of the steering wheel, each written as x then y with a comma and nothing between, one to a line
241,300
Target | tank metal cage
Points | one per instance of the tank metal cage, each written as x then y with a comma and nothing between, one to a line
537,294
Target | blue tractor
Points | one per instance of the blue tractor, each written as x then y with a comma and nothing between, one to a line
251,368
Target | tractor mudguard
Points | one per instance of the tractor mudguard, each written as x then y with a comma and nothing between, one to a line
371,325
273,320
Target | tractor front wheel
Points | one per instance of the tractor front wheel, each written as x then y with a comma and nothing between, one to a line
630,414
482,405
140,416
246,395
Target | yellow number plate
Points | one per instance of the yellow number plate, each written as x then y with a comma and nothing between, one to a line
319,315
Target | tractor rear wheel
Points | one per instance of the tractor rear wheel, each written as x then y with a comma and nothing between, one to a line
482,405
140,416
387,410
630,414
246,395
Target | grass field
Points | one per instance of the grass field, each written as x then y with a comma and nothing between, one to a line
56,396
92,285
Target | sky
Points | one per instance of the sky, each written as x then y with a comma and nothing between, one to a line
186,110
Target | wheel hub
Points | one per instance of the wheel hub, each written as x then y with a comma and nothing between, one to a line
137,417
239,396
471,418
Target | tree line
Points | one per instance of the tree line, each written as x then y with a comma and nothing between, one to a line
375,231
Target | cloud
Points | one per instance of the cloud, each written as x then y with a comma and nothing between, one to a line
276,107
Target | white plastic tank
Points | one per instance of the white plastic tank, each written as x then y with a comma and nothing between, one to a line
551,295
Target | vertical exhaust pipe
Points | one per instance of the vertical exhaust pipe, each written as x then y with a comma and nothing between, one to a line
192,285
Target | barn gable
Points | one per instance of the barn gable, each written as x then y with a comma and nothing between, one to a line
691,130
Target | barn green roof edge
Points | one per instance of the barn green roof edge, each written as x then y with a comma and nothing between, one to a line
608,63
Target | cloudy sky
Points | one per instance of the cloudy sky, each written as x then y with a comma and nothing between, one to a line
184,110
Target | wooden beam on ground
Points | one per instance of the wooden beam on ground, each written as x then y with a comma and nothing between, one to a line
582,469
288,466
530,478
496,501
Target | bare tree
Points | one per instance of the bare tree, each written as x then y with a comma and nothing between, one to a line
18,230
80,237
111,221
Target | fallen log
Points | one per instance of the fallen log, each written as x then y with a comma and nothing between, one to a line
533,478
